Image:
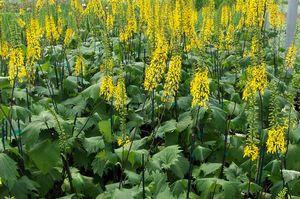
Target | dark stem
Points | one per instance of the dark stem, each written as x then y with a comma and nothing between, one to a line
67,169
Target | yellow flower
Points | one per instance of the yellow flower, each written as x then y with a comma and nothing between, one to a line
1,4
93,6
4,50
39,4
125,143
131,26
16,66
276,17
68,36
120,95
173,79
79,66
276,139
255,12
251,151
77,6
21,22
200,88
52,34
33,36
290,58
207,29
256,81
107,88
120,142
155,71
225,15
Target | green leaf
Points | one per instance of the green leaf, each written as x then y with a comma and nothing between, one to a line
234,173
184,121
23,187
93,144
201,153
8,170
4,82
45,155
290,175
168,126
168,156
209,168
105,128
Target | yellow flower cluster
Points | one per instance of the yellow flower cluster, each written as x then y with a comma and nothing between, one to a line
68,36
251,151
200,88
124,143
155,71
173,79
225,15
256,81
33,36
107,88
276,17
52,33
226,38
16,66
93,6
131,26
207,29
290,58
189,20
276,141
79,66
4,49
21,22
120,95
254,15
77,6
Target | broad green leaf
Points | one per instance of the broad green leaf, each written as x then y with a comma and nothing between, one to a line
93,144
24,187
290,175
209,168
168,156
8,171
168,126
105,128
45,155
201,153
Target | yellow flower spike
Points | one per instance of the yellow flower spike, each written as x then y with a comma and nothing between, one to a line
79,66
68,36
251,151
256,81
16,66
225,15
107,88
199,88
207,29
173,79
131,26
120,95
33,53
52,34
276,17
290,57
155,71
4,50
276,141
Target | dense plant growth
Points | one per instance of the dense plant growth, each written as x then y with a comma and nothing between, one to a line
148,99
